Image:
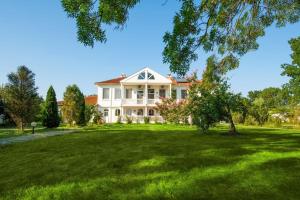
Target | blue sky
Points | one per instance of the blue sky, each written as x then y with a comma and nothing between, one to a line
38,34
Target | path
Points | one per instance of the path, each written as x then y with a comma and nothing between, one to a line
35,136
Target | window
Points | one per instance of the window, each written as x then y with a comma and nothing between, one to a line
174,94
105,112
150,93
151,112
141,76
140,112
162,93
128,93
105,93
150,76
140,94
117,112
128,112
183,94
117,93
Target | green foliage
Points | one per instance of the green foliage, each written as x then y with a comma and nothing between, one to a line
73,108
21,100
50,117
250,120
173,111
230,28
90,18
128,119
119,120
146,120
211,101
293,71
260,111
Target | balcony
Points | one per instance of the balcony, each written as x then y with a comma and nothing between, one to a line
136,102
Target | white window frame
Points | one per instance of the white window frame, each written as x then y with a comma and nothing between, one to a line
103,97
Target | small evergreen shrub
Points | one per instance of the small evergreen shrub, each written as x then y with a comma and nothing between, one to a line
146,120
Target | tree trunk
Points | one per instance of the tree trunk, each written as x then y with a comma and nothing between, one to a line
232,129
22,126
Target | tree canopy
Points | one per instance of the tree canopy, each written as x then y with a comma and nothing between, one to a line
227,27
50,117
73,109
21,100
293,70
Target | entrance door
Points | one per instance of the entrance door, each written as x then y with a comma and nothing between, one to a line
106,115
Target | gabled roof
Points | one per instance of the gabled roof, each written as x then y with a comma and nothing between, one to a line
111,81
158,78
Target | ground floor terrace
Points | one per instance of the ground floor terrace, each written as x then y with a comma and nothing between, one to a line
135,114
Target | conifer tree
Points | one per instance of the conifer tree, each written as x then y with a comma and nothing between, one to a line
50,117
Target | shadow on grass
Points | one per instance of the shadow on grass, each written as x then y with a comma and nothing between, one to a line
167,162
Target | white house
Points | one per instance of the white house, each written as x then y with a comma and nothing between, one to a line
135,96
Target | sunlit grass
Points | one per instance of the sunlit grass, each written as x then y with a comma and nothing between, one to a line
154,162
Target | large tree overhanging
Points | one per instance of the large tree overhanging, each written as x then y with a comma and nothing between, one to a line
229,28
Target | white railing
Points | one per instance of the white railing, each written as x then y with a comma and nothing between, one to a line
140,101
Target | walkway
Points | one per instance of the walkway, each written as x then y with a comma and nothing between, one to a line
35,136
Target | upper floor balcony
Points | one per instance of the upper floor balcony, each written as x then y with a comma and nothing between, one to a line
140,102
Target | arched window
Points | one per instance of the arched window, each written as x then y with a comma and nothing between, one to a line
150,76
141,76
140,112
151,112
117,112
105,112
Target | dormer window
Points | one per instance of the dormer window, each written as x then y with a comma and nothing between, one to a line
141,76
150,76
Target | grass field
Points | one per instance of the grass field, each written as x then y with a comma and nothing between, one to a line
154,162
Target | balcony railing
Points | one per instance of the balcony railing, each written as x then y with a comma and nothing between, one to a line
140,101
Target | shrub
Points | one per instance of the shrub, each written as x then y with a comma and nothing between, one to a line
128,119
250,120
237,118
119,120
146,120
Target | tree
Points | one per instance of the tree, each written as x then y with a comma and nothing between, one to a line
211,101
229,27
293,71
173,111
21,99
260,111
73,108
50,117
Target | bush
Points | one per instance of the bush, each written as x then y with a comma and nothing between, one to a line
119,120
250,120
128,120
146,120
237,118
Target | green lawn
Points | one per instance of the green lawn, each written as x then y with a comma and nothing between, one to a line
154,162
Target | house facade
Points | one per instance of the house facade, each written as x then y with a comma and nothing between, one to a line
136,96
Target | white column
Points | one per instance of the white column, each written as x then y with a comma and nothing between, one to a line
146,94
